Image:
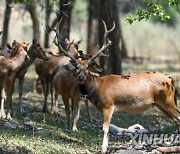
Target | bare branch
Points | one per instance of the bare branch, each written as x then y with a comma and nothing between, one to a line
68,3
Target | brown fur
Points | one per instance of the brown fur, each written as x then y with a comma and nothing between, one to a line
8,68
131,94
45,71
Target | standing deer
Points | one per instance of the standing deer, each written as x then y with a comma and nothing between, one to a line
66,84
45,71
35,51
131,94
8,68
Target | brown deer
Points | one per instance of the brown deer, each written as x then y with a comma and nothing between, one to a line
67,86
8,68
35,51
131,94
45,70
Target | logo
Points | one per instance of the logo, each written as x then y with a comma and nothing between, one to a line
155,139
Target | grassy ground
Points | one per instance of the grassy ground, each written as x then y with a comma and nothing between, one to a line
49,134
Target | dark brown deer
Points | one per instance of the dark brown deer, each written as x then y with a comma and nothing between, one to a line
8,68
66,84
45,70
131,94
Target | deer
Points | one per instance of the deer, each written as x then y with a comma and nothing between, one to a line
66,85
34,51
8,68
45,71
118,93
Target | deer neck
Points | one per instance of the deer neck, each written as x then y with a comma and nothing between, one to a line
32,55
17,60
72,53
87,90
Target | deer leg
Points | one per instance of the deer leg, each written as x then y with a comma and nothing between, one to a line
21,81
87,107
67,110
9,100
172,112
107,115
45,91
2,99
55,109
76,111
51,92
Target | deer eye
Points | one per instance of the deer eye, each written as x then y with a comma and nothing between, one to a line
86,69
77,70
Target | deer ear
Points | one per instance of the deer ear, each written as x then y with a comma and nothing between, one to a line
96,69
69,67
9,46
34,41
67,41
14,43
81,54
73,63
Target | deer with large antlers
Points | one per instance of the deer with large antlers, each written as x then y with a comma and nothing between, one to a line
131,94
66,84
8,68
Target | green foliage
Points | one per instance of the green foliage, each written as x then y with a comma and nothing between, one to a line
154,9
168,129
27,2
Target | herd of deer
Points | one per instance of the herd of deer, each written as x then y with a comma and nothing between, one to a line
71,75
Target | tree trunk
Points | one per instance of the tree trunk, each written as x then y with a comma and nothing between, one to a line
35,20
65,7
109,13
47,19
93,27
6,22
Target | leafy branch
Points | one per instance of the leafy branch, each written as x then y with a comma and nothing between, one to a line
154,10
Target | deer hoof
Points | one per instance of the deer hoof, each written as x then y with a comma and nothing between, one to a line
9,116
74,129
104,149
2,114
55,112
45,110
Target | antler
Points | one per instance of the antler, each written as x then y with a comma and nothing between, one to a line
57,41
106,42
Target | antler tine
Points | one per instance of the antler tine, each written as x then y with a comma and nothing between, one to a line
107,31
106,42
57,41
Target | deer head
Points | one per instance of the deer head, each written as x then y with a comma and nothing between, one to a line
19,47
38,51
83,66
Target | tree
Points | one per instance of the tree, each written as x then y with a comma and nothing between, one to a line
109,13
31,7
65,8
47,19
93,26
6,22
